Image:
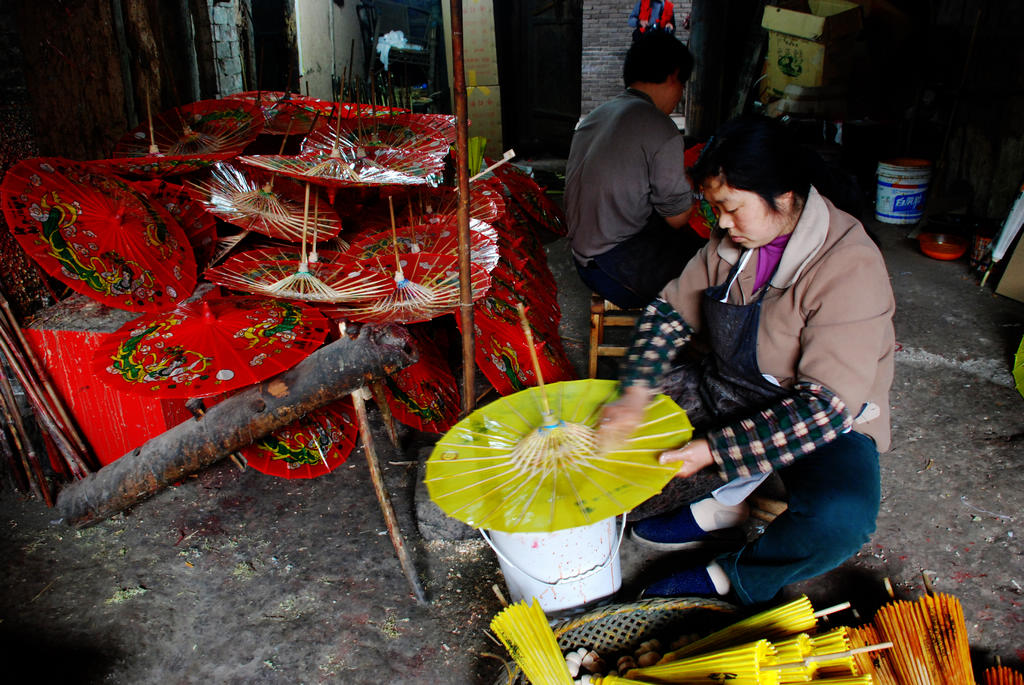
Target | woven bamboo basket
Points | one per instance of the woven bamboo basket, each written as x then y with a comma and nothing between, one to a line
619,628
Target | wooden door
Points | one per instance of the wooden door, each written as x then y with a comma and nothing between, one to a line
539,46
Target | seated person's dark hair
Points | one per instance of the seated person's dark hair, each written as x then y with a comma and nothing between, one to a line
759,154
654,56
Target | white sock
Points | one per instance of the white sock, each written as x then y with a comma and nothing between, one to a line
710,514
719,579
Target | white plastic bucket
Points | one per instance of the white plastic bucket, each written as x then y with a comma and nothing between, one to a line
902,187
563,569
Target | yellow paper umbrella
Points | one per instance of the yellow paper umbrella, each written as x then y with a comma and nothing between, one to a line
791,654
527,635
529,462
749,664
1018,368
835,642
783,621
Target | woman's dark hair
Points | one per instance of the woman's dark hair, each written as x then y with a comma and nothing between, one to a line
759,154
756,154
654,56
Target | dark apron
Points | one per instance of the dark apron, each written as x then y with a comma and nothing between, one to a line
727,383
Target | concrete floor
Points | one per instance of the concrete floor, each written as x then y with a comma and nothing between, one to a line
236,577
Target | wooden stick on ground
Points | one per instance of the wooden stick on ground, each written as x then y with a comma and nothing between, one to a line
385,501
381,398
328,374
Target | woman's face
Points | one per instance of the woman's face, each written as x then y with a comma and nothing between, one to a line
750,221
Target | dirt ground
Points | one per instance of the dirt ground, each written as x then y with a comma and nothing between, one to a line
237,577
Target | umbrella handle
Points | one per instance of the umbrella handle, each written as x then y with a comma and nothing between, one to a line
579,576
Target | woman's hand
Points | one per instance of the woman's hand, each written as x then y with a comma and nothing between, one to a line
620,419
692,457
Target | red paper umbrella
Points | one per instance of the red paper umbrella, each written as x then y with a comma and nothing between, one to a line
502,354
98,234
314,445
199,225
439,237
399,132
209,347
425,395
427,205
332,282
426,286
346,167
286,113
187,138
259,201
531,197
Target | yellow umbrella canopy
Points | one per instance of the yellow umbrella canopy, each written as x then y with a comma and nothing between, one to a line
1018,368
530,463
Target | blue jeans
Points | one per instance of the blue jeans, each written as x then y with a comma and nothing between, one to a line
632,273
834,495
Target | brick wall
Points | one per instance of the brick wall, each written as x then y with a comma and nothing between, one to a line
606,37
226,19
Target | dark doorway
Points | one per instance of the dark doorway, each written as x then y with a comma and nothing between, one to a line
276,56
539,45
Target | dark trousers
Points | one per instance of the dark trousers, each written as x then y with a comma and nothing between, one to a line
632,273
834,495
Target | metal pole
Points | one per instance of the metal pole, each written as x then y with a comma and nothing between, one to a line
462,211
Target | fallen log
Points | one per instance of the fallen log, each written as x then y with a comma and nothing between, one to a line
329,374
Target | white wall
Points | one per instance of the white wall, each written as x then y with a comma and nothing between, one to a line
324,33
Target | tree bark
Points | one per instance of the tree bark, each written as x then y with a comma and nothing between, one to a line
327,375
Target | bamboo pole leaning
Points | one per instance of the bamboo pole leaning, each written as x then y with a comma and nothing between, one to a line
61,434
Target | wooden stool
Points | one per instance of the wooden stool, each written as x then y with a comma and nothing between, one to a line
600,317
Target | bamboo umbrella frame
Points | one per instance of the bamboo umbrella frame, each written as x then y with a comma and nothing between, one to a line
462,211
1001,675
880,665
526,633
789,619
747,664
930,638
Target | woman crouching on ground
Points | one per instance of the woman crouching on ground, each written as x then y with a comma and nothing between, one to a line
793,300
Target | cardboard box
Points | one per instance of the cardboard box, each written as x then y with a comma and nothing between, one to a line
479,51
1011,284
810,44
484,104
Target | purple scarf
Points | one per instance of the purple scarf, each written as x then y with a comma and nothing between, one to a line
768,257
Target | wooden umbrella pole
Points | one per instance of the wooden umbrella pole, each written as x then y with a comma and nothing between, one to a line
509,154
379,396
153,149
385,501
29,458
69,426
533,357
394,240
305,222
462,211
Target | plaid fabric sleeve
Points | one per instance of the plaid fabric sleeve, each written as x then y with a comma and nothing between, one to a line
776,436
659,332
